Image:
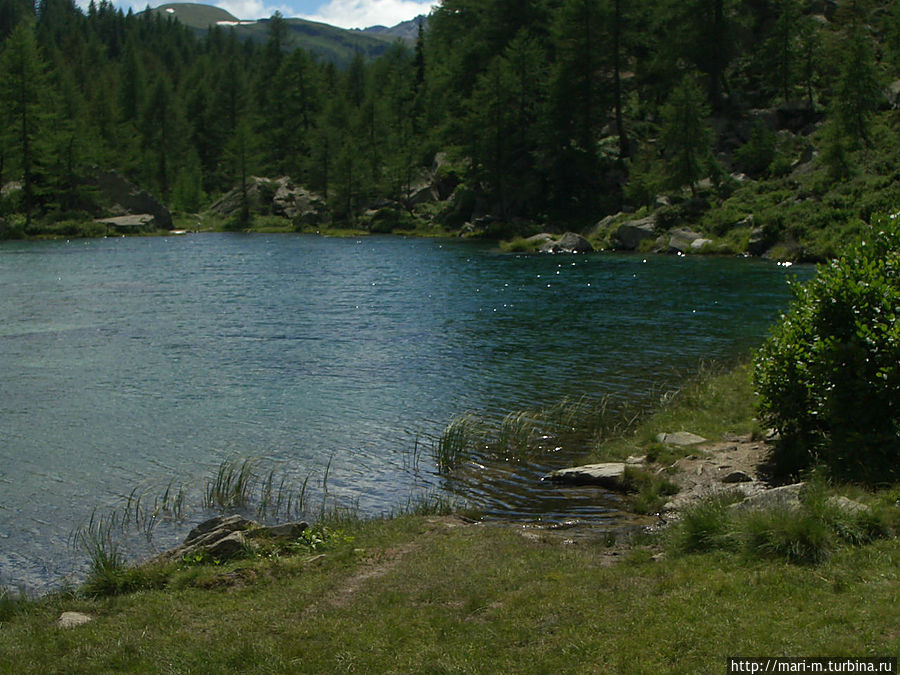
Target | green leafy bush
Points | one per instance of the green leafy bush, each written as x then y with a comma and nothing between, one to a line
829,375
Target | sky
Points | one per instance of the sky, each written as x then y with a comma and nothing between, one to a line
343,13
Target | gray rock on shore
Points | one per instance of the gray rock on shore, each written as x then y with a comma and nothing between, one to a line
610,475
570,242
225,537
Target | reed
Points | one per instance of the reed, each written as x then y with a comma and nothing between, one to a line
98,540
232,486
456,442
518,433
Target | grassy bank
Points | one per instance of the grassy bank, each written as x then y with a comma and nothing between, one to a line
438,593
420,594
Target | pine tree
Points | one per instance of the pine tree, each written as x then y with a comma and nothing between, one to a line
859,90
686,136
23,80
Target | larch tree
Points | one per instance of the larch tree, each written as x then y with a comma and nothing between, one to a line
23,83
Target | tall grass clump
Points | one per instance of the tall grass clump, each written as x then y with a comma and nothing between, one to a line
12,603
232,486
706,526
806,533
573,424
456,442
98,539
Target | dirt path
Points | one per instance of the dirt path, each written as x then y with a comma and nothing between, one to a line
735,463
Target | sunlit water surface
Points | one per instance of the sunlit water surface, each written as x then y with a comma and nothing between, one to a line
130,364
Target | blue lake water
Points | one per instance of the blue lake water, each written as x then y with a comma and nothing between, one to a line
130,363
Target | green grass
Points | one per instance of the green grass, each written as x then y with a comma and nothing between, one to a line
416,594
807,535
714,402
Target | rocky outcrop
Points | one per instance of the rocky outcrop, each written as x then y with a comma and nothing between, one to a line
278,196
570,242
610,475
128,199
683,240
135,223
225,537
759,241
297,204
629,235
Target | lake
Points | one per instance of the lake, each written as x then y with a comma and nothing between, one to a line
131,364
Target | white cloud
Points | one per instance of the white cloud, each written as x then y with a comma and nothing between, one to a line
253,9
365,13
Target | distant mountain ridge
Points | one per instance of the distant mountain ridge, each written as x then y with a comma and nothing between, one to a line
329,43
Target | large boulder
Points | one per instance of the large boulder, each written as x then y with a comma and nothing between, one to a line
683,240
570,242
297,204
630,234
128,199
138,222
278,196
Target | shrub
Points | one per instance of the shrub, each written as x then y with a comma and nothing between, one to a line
829,375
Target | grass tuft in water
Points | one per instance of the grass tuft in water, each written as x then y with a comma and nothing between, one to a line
232,486
456,443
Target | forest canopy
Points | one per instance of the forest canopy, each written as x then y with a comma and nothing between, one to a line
542,112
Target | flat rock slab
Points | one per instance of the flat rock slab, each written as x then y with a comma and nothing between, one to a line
679,438
785,497
72,619
608,474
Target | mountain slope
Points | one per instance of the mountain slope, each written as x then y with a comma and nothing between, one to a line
329,43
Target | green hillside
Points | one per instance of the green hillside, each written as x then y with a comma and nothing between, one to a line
329,43
195,15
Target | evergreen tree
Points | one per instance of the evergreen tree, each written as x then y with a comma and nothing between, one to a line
686,136
503,126
859,90
23,80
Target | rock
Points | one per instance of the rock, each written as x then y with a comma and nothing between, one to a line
679,438
444,179
634,460
130,199
758,242
847,505
785,497
229,546
224,524
737,477
225,537
892,95
421,194
259,192
72,619
570,242
538,240
608,474
630,234
699,244
297,203
681,240
136,222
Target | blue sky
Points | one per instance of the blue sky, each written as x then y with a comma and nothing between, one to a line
343,13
